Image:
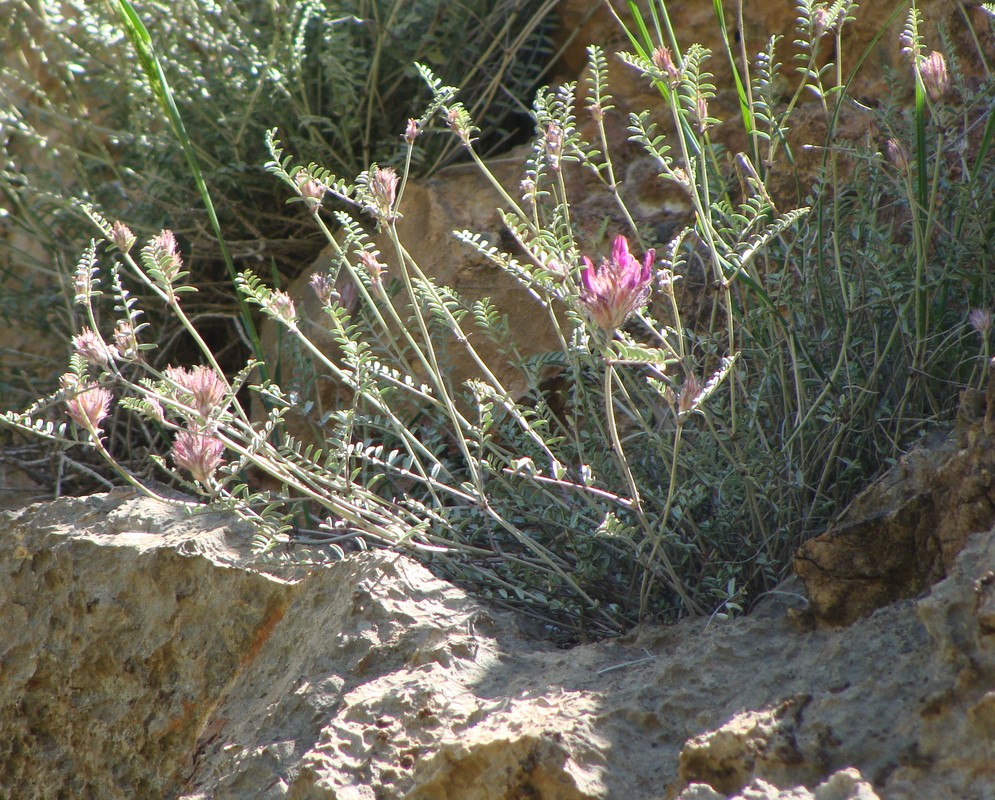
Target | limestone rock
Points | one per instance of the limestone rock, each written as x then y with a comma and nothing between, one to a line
751,742
143,657
847,784
904,532
123,624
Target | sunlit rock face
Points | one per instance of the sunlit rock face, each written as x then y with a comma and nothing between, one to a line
144,656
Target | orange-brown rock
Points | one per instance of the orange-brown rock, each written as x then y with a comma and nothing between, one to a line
904,532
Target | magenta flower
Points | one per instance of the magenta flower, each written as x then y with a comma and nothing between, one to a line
199,454
616,288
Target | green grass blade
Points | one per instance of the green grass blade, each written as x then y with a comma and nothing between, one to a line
141,41
744,101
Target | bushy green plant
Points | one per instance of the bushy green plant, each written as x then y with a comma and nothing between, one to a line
676,467
79,119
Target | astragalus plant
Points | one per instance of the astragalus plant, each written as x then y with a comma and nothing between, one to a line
577,511
649,469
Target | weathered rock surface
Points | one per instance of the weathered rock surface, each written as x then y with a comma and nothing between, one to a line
904,532
142,657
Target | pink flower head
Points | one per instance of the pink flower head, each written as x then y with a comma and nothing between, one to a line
616,288
89,407
89,345
198,453
663,60
205,389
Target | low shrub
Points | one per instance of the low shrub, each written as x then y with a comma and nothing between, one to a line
675,467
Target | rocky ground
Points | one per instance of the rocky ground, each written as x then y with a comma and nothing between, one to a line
144,657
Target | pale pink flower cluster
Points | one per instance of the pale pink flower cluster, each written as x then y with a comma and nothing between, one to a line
92,347
195,449
663,60
89,345
89,405
200,387
198,453
281,305
122,236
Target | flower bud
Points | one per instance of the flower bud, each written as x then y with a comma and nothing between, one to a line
161,257
663,60
122,236
411,131
125,340
687,398
554,145
383,190
459,123
897,155
311,190
701,112
321,284
936,79
374,268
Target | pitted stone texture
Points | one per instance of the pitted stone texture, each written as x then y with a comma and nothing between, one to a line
123,624
142,658
846,784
